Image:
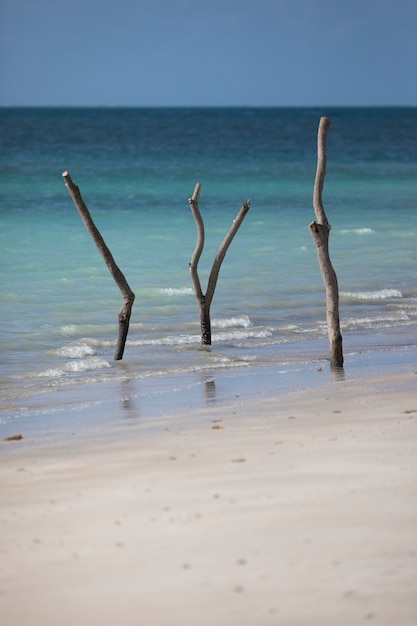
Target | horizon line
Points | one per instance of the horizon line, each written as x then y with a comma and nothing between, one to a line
207,106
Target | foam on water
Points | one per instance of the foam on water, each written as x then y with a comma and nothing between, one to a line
356,231
380,294
179,291
376,322
232,322
85,365
75,351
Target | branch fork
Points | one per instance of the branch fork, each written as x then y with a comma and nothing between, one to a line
204,300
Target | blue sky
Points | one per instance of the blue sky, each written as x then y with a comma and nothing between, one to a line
208,53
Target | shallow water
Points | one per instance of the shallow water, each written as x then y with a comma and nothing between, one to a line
136,169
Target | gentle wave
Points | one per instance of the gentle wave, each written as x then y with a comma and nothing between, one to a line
376,322
74,330
232,322
356,231
91,363
82,365
180,291
381,294
69,330
76,351
169,340
188,339
240,334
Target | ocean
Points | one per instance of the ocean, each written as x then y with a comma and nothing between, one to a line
136,169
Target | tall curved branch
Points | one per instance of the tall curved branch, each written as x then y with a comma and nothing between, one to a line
321,172
118,276
224,246
320,231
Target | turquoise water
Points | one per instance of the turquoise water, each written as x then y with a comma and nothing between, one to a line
136,169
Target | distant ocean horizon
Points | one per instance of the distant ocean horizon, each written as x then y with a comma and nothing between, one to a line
277,107
136,167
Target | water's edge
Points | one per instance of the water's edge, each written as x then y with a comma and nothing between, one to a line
99,410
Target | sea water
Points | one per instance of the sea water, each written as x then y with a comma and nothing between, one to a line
136,169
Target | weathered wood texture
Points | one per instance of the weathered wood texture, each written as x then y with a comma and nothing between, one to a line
204,300
119,278
320,230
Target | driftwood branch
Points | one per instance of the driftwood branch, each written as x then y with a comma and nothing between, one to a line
224,246
193,202
320,230
204,300
118,276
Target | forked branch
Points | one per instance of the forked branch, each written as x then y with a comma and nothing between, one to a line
118,276
204,300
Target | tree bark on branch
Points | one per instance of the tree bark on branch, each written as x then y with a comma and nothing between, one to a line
118,276
204,300
320,230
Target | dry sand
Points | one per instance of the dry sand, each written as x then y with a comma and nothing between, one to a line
299,510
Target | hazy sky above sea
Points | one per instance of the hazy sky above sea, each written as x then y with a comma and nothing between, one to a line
208,52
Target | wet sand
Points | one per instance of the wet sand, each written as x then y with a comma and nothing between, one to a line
298,509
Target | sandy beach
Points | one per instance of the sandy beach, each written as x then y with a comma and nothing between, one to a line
299,509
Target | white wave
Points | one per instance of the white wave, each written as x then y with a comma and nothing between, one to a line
377,322
77,351
181,291
381,294
92,363
356,231
169,340
185,339
287,327
242,334
51,373
232,322
82,365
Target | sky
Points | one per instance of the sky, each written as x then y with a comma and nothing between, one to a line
208,52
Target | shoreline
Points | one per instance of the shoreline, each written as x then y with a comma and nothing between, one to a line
294,509
95,410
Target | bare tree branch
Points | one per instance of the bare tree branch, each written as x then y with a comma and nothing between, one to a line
118,276
193,202
204,300
321,172
320,232
221,253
